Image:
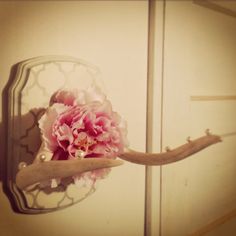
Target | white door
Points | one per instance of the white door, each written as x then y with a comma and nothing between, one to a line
199,88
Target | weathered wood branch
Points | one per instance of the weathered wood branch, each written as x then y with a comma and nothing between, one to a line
171,156
47,170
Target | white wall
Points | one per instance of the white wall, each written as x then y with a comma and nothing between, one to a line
113,36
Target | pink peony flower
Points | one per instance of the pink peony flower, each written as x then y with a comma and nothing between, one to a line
83,122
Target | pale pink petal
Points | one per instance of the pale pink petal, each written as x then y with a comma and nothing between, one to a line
46,124
81,98
84,121
64,97
94,93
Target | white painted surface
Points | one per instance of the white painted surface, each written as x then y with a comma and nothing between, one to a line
113,36
200,55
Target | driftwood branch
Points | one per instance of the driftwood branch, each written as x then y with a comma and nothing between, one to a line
47,170
171,156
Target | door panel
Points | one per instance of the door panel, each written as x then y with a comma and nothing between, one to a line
199,93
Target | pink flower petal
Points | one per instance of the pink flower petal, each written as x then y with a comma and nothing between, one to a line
83,120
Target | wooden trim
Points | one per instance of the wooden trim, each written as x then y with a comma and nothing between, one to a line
149,115
162,112
225,135
213,98
215,7
214,224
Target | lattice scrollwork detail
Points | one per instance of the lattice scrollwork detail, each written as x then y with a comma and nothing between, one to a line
34,82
